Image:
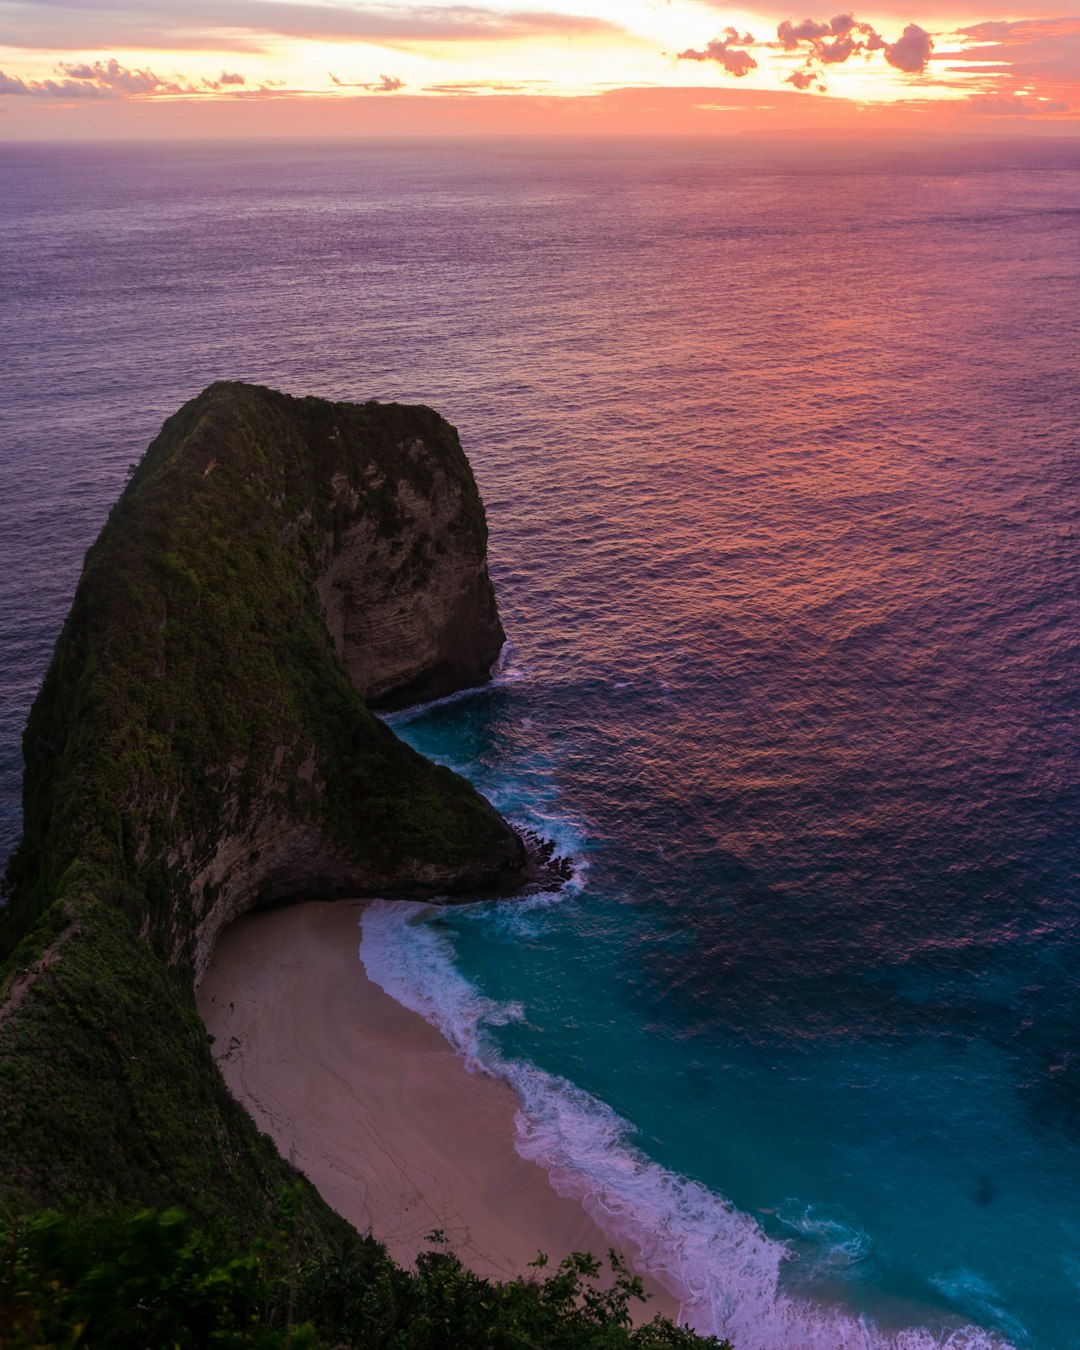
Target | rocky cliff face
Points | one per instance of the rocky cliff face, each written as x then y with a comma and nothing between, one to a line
413,614
202,744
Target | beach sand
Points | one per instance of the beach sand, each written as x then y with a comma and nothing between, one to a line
372,1105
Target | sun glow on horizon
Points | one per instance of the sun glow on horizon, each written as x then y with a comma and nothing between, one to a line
777,64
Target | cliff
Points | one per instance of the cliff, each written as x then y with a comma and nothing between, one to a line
202,744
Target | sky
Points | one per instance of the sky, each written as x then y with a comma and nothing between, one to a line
227,68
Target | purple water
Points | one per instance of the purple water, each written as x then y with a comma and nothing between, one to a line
779,447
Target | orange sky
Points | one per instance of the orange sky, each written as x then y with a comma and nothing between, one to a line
135,68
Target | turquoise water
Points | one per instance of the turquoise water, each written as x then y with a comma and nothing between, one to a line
779,446
899,1185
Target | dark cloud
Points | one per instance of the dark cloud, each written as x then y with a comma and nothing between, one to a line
805,79
844,36
235,25
832,53
911,51
824,43
791,34
726,52
829,43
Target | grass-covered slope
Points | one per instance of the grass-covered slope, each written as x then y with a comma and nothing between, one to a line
198,747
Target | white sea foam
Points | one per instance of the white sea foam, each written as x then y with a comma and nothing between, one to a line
716,1259
399,717
973,1295
411,962
534,812
840,1241
508,669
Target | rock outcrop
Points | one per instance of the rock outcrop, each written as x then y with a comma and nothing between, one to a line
202,744
412,613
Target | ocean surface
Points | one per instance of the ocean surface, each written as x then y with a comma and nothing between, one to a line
779,446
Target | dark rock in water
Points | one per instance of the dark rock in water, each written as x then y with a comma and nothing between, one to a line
544,872
202,744
544,869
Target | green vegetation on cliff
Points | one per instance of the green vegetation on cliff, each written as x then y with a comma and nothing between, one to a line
155,1279
195,688
197,748
202,744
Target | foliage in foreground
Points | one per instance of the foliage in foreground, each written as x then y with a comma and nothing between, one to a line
154,1279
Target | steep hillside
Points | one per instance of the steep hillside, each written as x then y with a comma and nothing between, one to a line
202,744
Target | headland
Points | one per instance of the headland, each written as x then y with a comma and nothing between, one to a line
203,745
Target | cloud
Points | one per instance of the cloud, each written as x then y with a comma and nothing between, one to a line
1021,31
1033,49
911,51
1010,58
467,89
823,43
110,79
830,43
806,79
832,53
237,25
385,84
62,89
791,34
112,76
990,106
726,52
844,36
225,81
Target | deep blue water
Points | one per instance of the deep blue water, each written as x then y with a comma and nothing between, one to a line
779,448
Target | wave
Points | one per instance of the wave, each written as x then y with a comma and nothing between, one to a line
837,1239
530,798
717,1260
507,670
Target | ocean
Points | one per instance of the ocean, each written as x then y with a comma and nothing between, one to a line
778,443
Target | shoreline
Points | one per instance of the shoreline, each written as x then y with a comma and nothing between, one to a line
370,1102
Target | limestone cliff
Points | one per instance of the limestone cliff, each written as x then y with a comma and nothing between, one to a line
412,613
202,744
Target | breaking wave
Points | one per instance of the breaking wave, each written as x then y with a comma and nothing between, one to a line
717,1260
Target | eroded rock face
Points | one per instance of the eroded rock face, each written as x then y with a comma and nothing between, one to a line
277,859
413,613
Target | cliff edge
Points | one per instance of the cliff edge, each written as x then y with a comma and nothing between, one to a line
202,743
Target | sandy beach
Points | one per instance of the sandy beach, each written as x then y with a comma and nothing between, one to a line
371,1104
